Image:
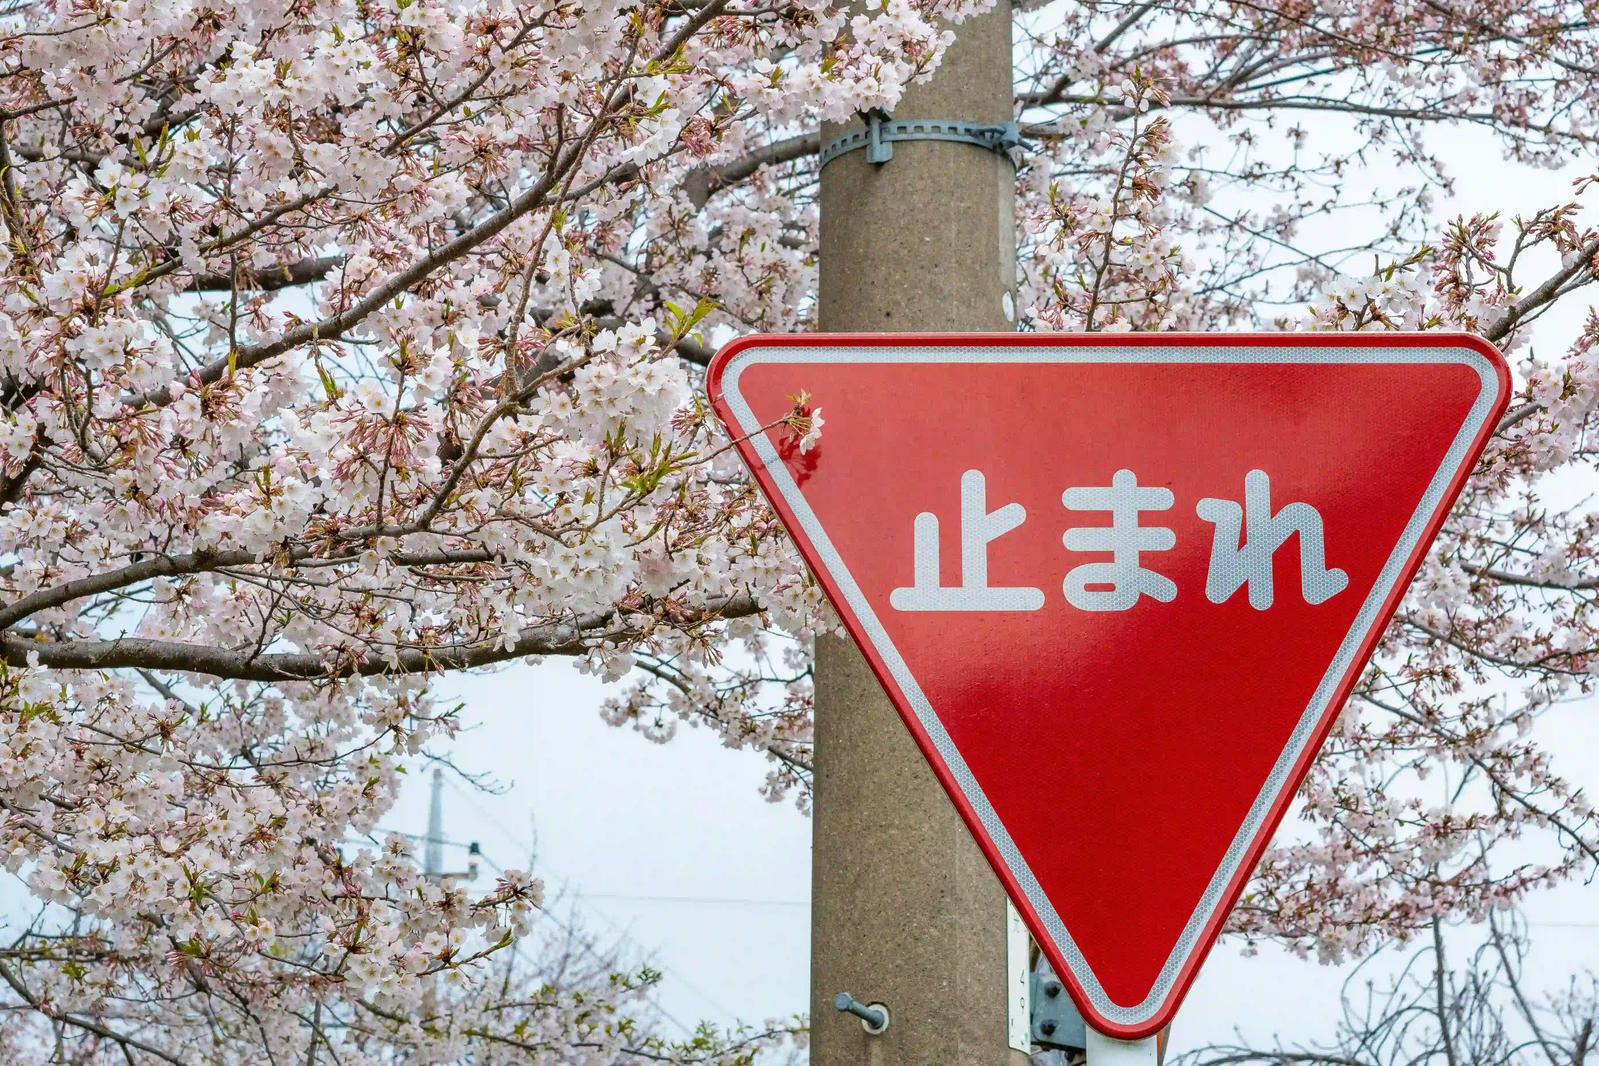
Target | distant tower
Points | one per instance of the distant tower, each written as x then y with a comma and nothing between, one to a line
433,844
433,855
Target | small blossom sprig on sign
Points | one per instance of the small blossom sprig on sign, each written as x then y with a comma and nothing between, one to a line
804,424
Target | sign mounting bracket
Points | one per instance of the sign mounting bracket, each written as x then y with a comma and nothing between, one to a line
882,131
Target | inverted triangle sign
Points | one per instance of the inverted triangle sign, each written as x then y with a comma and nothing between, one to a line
1118,587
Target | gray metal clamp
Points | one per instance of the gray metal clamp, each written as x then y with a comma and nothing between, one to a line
881,132
1056,1023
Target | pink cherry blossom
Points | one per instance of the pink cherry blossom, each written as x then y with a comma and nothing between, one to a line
348,342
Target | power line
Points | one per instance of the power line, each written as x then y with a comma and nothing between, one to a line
715,901
566,884
626,897
578,938
746,901
734,901
435,838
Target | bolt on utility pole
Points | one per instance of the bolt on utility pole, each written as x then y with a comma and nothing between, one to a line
906,911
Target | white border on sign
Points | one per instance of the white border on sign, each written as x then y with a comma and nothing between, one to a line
1278,779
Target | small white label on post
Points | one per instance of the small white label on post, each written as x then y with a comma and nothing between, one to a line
1019,971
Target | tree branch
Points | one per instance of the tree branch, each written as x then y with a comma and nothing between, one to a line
83,1023
565,638
703,182
272,278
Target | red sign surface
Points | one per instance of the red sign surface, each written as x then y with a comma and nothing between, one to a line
1118,586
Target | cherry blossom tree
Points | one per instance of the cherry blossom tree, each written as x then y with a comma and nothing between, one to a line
1447,1003
346,343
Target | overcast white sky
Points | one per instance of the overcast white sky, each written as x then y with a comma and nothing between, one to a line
674,847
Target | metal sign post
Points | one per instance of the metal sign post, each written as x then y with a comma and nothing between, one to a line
1106,1051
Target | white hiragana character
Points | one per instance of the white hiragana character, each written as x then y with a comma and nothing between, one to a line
1248,537
979,526
1124,498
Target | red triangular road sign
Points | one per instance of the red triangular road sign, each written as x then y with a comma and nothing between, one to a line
1117,678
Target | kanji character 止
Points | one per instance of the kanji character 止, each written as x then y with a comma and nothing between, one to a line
979,527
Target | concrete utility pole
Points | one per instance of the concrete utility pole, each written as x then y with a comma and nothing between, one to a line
905,909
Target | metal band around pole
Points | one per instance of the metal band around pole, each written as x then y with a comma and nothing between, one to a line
881,131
